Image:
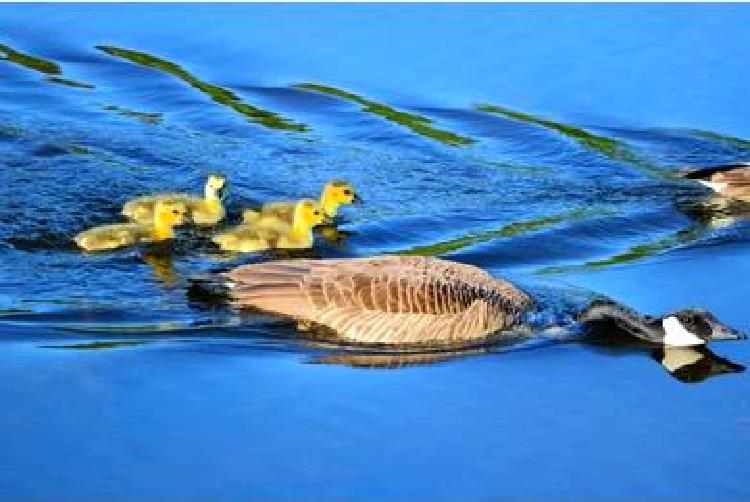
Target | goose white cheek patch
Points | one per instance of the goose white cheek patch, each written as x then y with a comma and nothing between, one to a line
677,336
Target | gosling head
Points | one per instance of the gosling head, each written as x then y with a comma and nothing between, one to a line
169,213
309,214
337,193
216,186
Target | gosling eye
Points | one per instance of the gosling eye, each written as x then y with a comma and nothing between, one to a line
316,213
175,211
347,192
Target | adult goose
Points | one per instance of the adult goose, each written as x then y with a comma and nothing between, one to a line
408,300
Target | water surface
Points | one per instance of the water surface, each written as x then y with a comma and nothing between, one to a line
539,142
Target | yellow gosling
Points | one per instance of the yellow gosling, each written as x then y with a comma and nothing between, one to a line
271,233
335,194
167,215
204,211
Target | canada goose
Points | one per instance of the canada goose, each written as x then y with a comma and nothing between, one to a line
334,194
730,180
269,233
204,211
405,300
166,215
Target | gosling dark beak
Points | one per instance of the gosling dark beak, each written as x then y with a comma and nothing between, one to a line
357,199
327,220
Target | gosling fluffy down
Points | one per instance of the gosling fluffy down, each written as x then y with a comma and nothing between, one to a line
272,233
166,215
204,211
335,194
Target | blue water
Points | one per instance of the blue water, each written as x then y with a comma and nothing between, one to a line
536,141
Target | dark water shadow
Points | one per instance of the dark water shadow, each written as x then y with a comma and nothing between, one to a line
416,123
218,94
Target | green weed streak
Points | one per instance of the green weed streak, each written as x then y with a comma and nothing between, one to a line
510,230
30,62
145,117
70,83
608,147
100,345
416,123
40,65
217,94
635,253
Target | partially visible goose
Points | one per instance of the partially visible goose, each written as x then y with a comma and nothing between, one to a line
404,300
204,211
730,180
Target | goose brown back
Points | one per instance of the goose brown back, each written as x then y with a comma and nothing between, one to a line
383,300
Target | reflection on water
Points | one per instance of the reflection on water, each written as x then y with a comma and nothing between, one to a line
694,364
163,266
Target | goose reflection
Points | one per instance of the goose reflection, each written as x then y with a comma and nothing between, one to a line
392,360
332,235
693,364
718,212
161,260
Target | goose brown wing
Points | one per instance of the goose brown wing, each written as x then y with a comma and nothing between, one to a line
383,299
